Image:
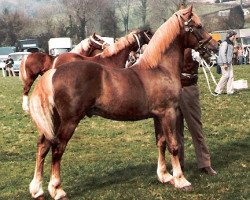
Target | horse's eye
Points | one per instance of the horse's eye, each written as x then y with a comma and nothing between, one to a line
199,26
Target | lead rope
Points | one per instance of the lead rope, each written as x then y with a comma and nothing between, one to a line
204,67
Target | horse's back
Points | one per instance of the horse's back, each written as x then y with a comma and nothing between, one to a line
66,58
92,88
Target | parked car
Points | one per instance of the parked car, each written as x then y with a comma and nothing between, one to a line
17,57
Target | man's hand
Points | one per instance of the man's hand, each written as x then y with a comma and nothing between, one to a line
225,66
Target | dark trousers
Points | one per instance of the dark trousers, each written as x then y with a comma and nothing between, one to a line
190,111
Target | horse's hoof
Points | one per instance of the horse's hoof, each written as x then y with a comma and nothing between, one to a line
26,111
187,188
40,198
168,178
63,198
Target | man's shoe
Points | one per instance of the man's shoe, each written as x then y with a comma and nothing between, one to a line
209,171
216,93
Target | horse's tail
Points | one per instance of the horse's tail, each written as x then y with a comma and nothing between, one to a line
42,105
23,73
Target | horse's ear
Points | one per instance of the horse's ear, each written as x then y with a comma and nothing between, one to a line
181,6
190,9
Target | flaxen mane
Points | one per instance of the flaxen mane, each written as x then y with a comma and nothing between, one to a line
122,43
161,40
83,45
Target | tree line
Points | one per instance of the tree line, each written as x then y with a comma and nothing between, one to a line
78,19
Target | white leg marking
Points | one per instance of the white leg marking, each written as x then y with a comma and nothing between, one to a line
25,103
163,176
56,193
36,188
179,180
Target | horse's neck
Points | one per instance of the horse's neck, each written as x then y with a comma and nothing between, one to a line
172,59
95,52
119,51
120,57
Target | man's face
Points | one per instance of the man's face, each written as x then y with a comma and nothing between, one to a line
233,38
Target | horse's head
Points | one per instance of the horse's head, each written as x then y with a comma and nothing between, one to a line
195,36
97,42
142,37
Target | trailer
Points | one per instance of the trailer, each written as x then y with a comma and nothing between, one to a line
59,45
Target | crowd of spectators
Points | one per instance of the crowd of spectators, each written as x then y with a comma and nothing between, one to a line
241,55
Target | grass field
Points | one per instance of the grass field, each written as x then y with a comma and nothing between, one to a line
117,160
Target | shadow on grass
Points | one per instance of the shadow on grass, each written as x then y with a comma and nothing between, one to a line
222,157
135,175
132,174
232,151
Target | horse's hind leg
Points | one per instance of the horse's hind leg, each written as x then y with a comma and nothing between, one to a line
163,175
168,123
26,88
43,146
65,132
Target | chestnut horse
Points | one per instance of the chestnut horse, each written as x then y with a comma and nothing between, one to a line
90,46
36,64
114,55
148,89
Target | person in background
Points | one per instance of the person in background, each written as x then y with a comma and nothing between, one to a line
248,55
9,66
240,55
245,55
190,110
235,56
225,62
132,58
218,69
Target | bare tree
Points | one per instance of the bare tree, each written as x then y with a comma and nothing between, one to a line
12,24
143,7
81,13
109,21
124,7
160,11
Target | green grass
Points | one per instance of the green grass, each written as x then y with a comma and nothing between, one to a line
117,160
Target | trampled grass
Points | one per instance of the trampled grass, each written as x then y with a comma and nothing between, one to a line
117,160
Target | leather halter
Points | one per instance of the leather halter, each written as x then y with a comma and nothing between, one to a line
92,47
201,42
138,41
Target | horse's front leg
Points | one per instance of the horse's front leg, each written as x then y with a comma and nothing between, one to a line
168,123
43,146
162,173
